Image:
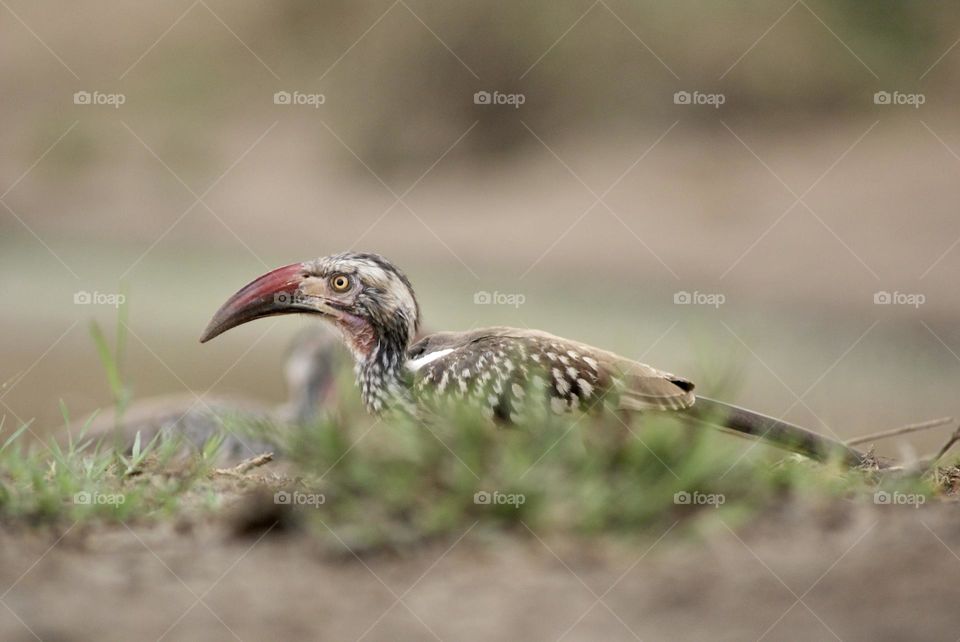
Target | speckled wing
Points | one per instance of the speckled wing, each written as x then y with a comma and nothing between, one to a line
500,368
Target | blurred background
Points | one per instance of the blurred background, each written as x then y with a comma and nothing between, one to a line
761,196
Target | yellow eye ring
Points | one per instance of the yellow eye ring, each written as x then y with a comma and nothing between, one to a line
340,282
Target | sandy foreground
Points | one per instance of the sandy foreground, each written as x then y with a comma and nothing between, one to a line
843,571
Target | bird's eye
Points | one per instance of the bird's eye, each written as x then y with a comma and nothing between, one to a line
340,282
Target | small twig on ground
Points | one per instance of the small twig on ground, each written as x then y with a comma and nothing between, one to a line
954,438
903,430
245,466
925,464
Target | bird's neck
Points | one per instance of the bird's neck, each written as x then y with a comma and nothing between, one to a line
381,369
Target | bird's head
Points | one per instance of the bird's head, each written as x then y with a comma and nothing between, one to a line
364,295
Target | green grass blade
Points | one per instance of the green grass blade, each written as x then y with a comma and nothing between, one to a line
12,438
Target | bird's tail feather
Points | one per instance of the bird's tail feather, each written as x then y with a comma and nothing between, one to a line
774,431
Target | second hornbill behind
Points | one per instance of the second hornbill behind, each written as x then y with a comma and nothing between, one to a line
500,369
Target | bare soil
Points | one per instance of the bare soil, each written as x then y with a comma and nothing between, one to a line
845,570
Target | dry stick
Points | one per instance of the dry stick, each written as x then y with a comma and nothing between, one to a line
245,466
903,430
926,463
954,438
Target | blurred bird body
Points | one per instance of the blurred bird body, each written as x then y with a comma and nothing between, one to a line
510,374
313,361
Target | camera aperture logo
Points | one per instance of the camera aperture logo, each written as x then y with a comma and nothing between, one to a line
496,498
298,498
497,98
899,98
98,98
699,98
84,297
714,299
896,498
696,498
499,298
912,299
85,498
291,298
299,98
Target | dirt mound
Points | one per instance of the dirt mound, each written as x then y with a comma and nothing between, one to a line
843,570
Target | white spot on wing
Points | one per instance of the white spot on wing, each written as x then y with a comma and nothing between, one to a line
585,387
415,364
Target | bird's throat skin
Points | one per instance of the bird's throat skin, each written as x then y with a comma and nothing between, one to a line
380,363
359,335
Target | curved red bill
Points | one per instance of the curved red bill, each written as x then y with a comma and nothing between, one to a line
273,293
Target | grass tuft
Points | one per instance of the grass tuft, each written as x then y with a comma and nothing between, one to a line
395,481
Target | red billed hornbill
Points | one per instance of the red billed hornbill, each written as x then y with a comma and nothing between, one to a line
373,305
